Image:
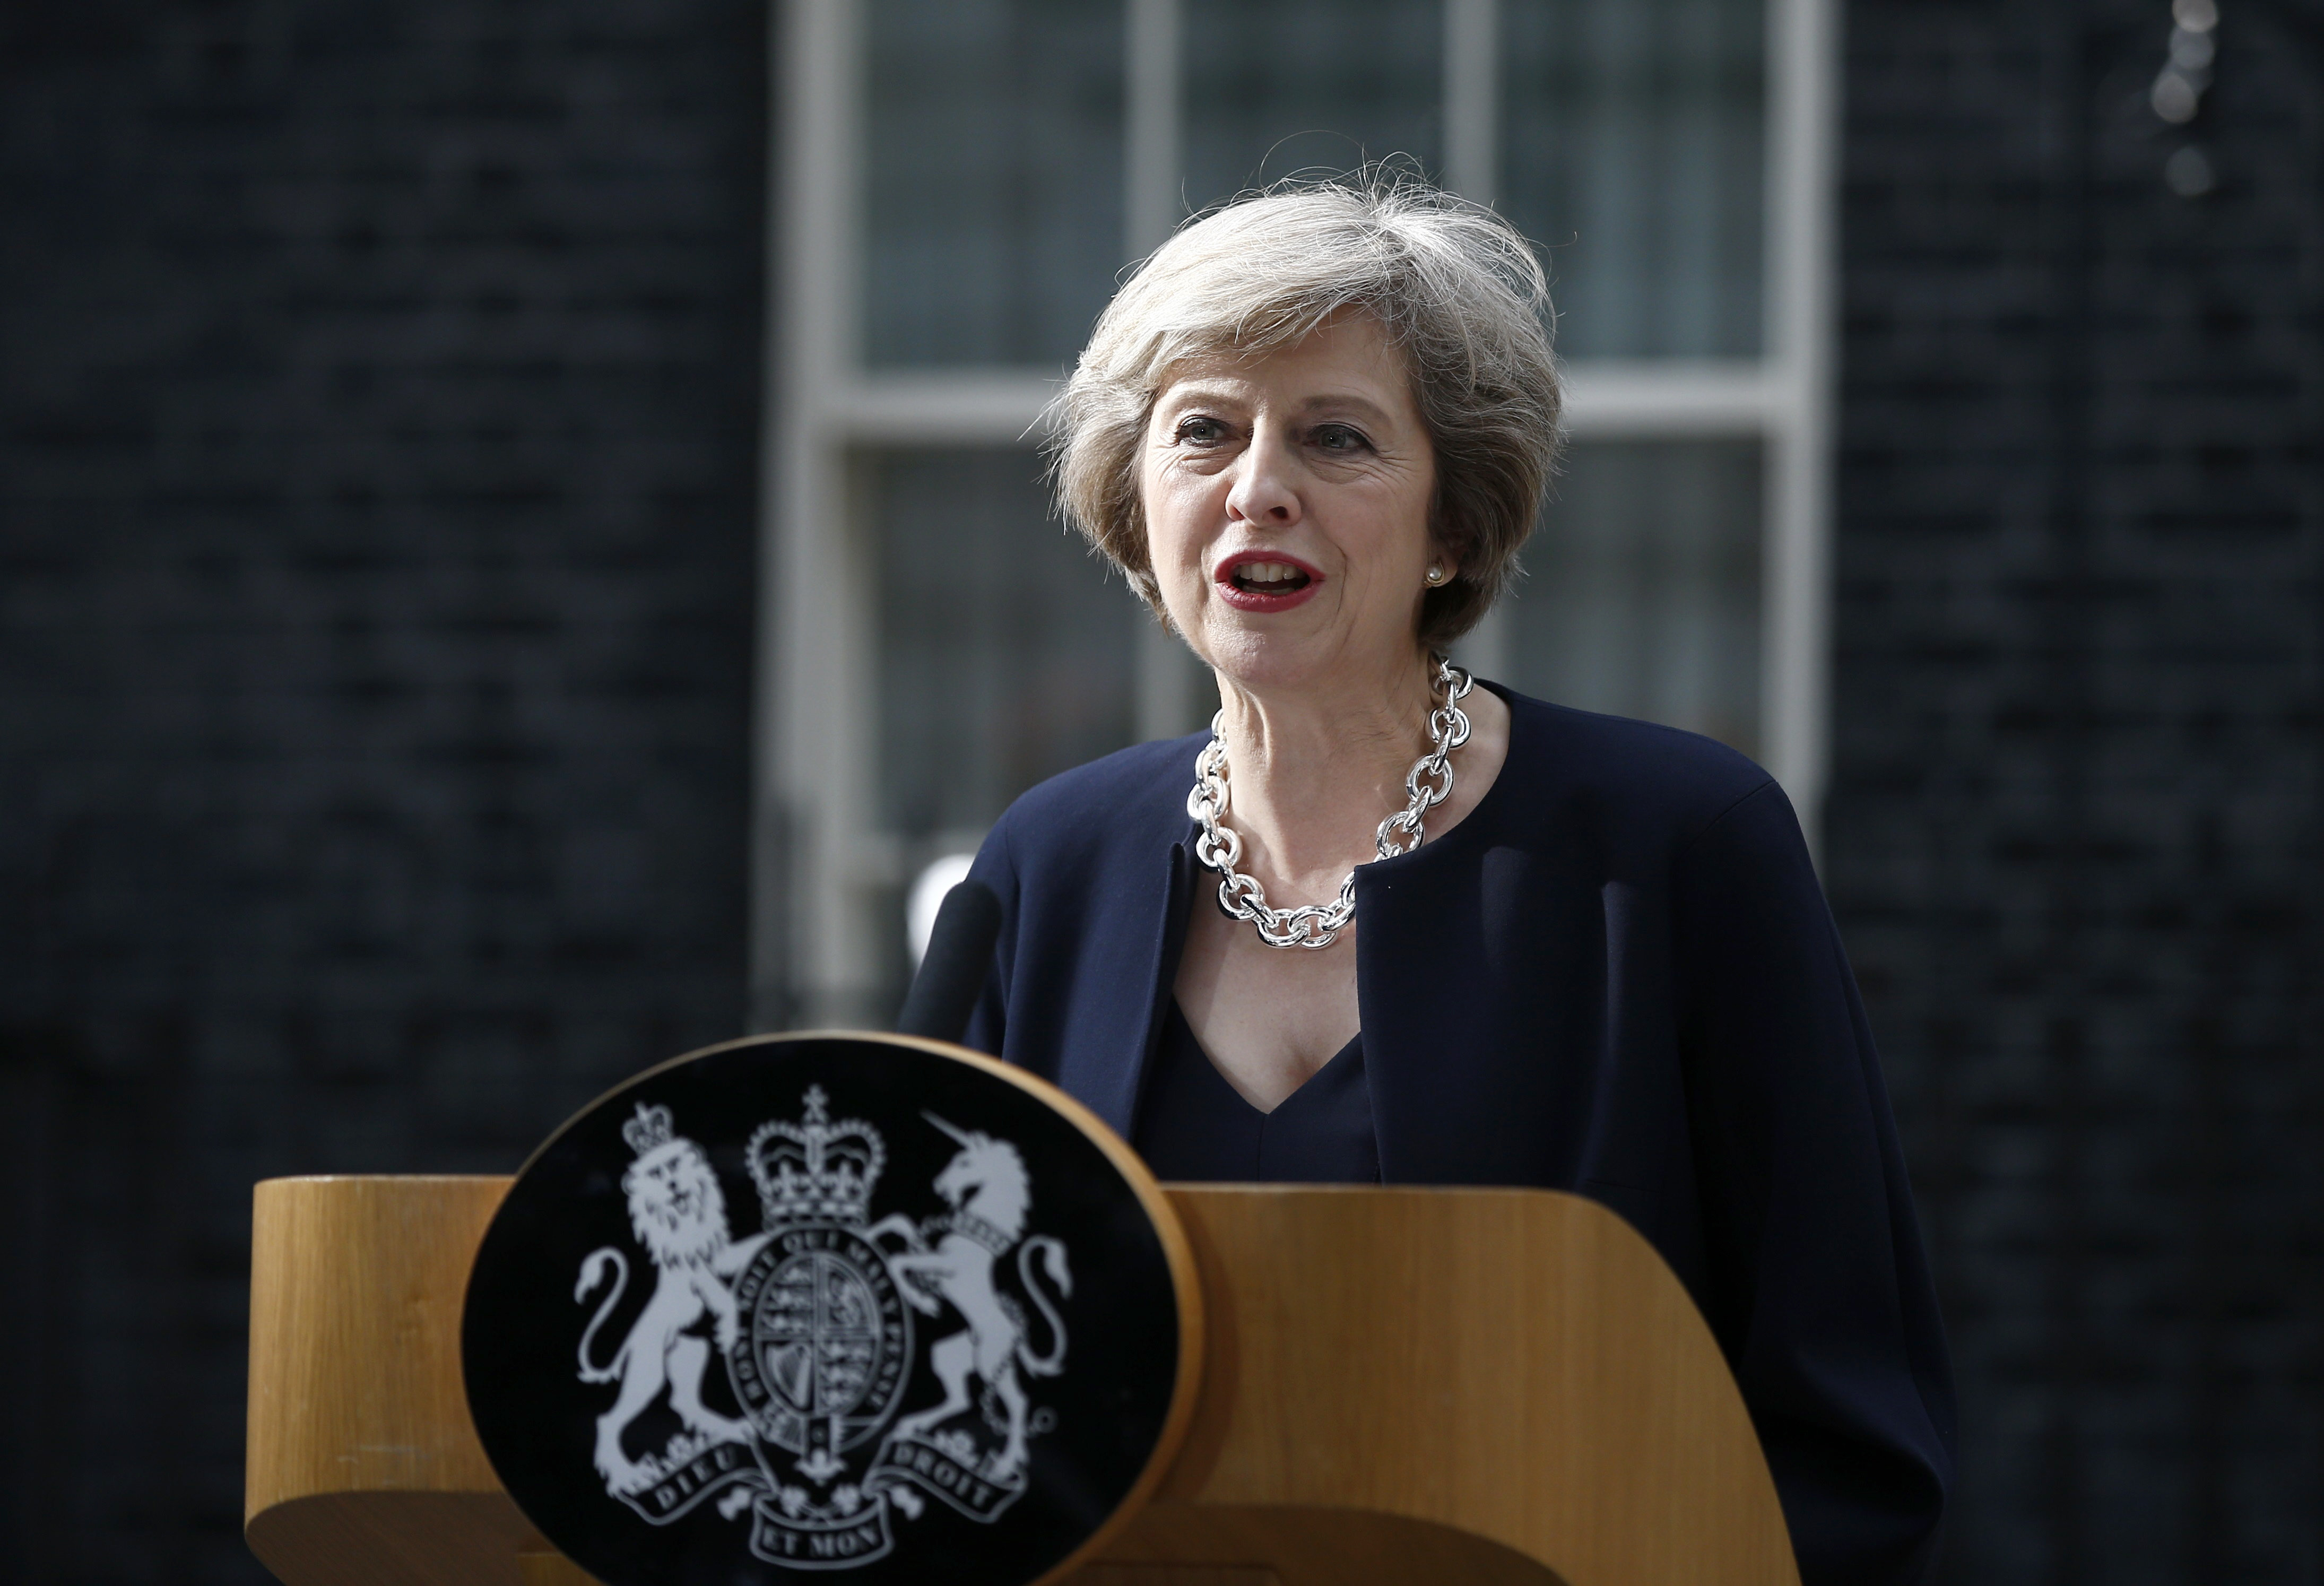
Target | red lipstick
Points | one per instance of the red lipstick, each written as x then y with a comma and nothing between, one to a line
1265,581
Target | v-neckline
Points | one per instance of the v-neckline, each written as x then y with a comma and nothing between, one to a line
1337,1059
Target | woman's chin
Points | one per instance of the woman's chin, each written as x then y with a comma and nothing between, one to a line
1263,655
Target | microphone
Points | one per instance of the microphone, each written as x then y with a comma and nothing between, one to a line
952,973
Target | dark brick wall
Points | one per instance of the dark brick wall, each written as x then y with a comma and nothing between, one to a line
377,438
2074,829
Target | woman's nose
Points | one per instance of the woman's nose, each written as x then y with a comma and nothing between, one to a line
1263,489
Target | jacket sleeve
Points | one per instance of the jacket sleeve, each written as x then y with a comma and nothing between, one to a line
1817,1285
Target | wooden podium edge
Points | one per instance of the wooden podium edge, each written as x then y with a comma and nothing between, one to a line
355,1405
1621,1451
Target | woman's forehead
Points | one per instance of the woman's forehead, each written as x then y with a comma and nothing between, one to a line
1350,359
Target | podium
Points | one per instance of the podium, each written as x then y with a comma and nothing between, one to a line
1499,1387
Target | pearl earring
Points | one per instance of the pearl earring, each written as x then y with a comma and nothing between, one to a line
1436,576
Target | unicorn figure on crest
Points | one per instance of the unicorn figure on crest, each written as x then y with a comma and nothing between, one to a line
950,1258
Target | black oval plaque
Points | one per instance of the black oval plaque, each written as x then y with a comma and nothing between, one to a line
847,1304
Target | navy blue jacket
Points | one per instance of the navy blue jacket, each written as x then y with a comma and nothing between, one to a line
1618,976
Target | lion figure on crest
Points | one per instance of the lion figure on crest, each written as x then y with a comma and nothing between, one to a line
679,1213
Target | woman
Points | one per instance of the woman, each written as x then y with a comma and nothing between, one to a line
1571,951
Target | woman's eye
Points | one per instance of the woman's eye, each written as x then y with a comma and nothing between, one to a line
1338,437
1202,431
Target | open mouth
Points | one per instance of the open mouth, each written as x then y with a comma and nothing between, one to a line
1259,581
1269,578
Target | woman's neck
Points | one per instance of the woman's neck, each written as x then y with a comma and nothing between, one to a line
1313,771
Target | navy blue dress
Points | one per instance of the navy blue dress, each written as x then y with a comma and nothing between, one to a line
1195,1128
1616,976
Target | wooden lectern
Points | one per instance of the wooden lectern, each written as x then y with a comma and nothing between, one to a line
1404,1386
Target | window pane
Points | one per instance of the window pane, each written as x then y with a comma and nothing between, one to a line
1006,651
993,161
1633,135
1276,87
1643,598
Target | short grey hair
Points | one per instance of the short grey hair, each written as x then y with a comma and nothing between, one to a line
1462,297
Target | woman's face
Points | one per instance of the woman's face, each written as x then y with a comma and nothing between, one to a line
1287,509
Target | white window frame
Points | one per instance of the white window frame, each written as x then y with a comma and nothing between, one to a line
821,869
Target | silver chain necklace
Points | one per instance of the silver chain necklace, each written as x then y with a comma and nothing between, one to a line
1319,924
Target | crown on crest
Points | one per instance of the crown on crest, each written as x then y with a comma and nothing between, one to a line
648,1131
816,1170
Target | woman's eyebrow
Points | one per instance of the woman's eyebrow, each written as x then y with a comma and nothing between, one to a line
1200,391
1203,393
1344,403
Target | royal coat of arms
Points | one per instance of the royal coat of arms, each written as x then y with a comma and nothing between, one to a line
813,1320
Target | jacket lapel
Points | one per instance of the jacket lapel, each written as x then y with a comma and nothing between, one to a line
1126,1017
